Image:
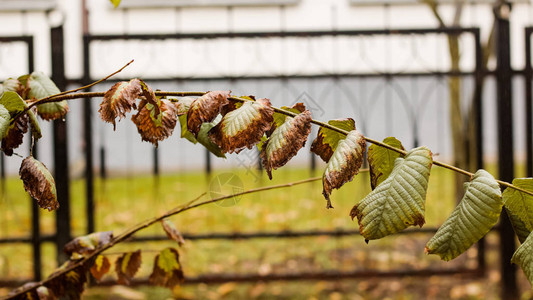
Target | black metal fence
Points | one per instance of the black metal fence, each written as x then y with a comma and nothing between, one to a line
63,229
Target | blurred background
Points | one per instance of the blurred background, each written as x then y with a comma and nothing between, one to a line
451,75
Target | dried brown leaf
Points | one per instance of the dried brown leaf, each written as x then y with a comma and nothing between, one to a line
285,142
167,270
100,267
69,285
39,183
153,123
119,100
344,163
243,127
15,135
127,266
172,232
87,244
205,109
40,293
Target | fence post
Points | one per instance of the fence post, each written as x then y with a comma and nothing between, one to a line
87,133
61,172
502,11
529,97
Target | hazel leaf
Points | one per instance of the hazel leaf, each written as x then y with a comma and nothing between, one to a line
172,232
243,127
344,164
326,140
524,258
471,219
100,267
119,100
87,244
205,109
69,285
285,142
127,265
399,201
519,207
42,86
381,160
167,269
155,123
39,183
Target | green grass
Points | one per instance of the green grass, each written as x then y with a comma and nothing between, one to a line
125,201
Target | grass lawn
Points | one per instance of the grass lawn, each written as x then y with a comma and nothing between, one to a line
124,201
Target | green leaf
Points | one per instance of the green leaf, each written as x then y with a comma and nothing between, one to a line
39,183
5,118
167,269
285,142
520,207
42,86
243,127
203,138
15,105
279,118
344,164
399,201
473,217
185,133
326,140
523,257
115,3
381,160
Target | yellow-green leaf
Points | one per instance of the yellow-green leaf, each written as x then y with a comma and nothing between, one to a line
381,160
519,207
473,217
115,3
523,257
344,164
167,269
326,140
15,105
399,201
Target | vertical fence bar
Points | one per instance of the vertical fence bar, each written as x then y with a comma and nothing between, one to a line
156,161
528,77
35,218
61,171
87,132
207,162
505,144
478,115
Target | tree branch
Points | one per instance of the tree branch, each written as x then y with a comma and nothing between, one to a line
147,223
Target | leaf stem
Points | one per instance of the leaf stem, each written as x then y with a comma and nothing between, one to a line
175,211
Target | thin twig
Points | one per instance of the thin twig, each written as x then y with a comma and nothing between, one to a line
291,114
52,97
140,226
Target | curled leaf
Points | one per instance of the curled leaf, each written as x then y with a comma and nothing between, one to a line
473,217
155,123
524,258
344,164
127,266
5,119
183,105
205,109
42,86
243,127
172,232
285,142
399,201
40,293
326,140
381,160
15,135
87,244
519,207
119,100
39,183
100,267
167,270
